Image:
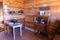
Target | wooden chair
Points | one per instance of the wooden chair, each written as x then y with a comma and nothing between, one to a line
51,30
58,31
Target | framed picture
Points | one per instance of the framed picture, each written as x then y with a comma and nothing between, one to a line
42,13
20,12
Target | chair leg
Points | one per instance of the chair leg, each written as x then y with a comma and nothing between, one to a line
51,37
8,30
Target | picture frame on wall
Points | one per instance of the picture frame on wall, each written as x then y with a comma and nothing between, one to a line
20,12
42,13
16,12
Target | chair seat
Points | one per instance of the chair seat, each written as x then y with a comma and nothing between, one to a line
17,28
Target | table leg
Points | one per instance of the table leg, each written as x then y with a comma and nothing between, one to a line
21,31
14,33
8,29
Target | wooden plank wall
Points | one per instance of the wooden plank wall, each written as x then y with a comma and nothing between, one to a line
54,5
14,5
31,7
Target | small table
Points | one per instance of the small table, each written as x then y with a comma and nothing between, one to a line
10,24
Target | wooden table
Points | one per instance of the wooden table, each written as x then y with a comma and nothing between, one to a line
16,25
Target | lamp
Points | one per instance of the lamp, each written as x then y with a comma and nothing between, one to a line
44,5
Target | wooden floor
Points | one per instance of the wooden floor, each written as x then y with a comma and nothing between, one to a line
27,35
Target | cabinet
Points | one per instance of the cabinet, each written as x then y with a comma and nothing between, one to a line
40,26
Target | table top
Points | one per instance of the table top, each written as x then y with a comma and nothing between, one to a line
14,25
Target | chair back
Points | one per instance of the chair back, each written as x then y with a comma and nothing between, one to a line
52,28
